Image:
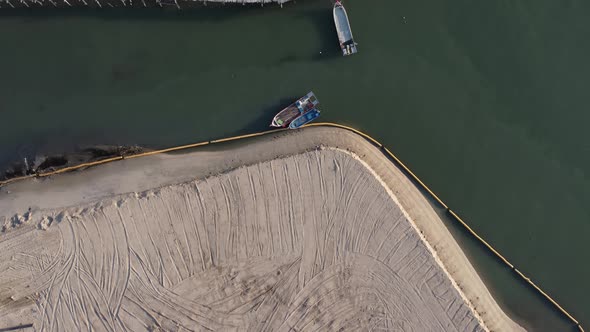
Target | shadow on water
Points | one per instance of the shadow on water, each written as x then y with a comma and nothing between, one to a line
323,22
258,124
265,114
325,31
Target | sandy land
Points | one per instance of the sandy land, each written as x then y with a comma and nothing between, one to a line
303,230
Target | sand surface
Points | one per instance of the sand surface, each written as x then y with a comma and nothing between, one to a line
307,230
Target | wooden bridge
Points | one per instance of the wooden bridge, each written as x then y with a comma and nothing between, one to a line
179,4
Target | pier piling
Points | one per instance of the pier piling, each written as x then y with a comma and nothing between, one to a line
179,4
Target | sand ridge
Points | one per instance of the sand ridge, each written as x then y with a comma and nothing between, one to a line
313,240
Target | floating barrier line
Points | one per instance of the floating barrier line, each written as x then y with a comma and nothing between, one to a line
457,218
72,168
176,148
484,242
17,179
376,143
142,154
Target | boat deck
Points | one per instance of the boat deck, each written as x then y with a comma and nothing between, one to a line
291,112
342,23
287,115
305,118
343,27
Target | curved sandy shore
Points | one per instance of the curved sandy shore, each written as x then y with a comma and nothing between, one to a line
300,230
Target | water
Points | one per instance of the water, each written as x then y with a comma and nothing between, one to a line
486,102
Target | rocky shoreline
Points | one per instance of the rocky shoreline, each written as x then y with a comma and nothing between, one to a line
52,162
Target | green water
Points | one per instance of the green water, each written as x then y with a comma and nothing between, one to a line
486,101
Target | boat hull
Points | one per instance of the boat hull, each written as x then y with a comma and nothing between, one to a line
291,112
347,43
304,119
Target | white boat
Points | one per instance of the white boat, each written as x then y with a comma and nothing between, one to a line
347,43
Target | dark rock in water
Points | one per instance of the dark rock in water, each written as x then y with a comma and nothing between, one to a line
13,171
52,161
100,151
43,164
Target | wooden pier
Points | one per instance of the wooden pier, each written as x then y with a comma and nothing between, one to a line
179,4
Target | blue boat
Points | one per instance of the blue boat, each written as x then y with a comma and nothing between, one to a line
304,119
